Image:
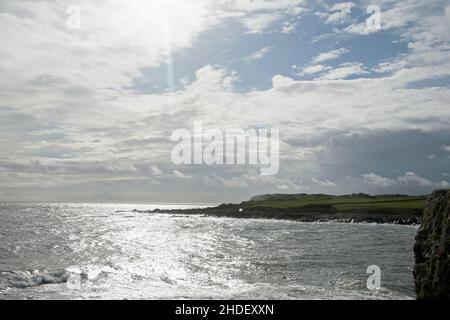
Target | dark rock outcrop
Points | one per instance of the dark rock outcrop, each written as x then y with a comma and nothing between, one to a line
432,247
307,213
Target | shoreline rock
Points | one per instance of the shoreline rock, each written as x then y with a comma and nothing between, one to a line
432,247
310,213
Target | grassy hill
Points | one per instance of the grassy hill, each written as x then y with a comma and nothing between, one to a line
396,209
346,202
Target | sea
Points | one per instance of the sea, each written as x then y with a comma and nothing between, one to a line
65,251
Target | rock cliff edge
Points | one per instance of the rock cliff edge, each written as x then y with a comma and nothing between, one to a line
432,247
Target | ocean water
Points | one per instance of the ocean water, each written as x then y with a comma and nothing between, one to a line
105,251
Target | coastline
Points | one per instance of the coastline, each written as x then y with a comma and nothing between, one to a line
311,213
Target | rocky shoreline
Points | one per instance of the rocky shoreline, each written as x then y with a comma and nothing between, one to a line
311,213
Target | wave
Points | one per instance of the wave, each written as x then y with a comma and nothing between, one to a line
25,279
71,275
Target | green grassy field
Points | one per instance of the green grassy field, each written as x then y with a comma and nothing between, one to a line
339,202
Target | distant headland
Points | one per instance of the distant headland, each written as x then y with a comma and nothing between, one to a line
358,208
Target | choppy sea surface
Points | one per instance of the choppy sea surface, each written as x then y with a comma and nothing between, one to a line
108,251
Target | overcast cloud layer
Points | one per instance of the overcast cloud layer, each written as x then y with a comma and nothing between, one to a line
87,115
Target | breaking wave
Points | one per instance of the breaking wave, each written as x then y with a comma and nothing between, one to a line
25,279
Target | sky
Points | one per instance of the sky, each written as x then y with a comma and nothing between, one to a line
88,105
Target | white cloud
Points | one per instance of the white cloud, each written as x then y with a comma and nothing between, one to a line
410,179
324,183
259,23
289,27
257,55
420,24
97,59
330,55
314,69
391,65
303,108
315,65
155,171
180,175
345,70
376,180
340,13
263,5
445,148
67,115
360,29
260,15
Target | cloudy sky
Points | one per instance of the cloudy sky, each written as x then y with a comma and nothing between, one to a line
86,114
